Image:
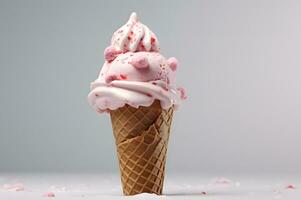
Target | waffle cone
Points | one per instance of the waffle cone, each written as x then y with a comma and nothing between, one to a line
141,136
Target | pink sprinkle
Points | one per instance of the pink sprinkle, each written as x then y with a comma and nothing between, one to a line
173,63
123,76
142,47
110,78
49,194
140,62
149,95
19,188
204,193
182,93
153,40
290,186
111,53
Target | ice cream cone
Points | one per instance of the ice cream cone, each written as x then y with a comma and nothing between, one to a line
133,75
141,136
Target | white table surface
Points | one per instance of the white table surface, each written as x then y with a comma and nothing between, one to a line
107,187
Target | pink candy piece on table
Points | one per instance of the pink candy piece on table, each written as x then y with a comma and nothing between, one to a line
49,194
14,187
173,63
140,62
111,53
290,186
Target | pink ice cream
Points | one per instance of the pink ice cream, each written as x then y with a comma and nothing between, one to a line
134,73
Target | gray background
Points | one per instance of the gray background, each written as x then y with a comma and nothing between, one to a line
240,62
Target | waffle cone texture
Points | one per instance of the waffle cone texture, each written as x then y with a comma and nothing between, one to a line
141,136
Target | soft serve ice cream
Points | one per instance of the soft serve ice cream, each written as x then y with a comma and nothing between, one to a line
135,73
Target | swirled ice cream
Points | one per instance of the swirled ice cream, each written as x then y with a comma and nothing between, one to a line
135,73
